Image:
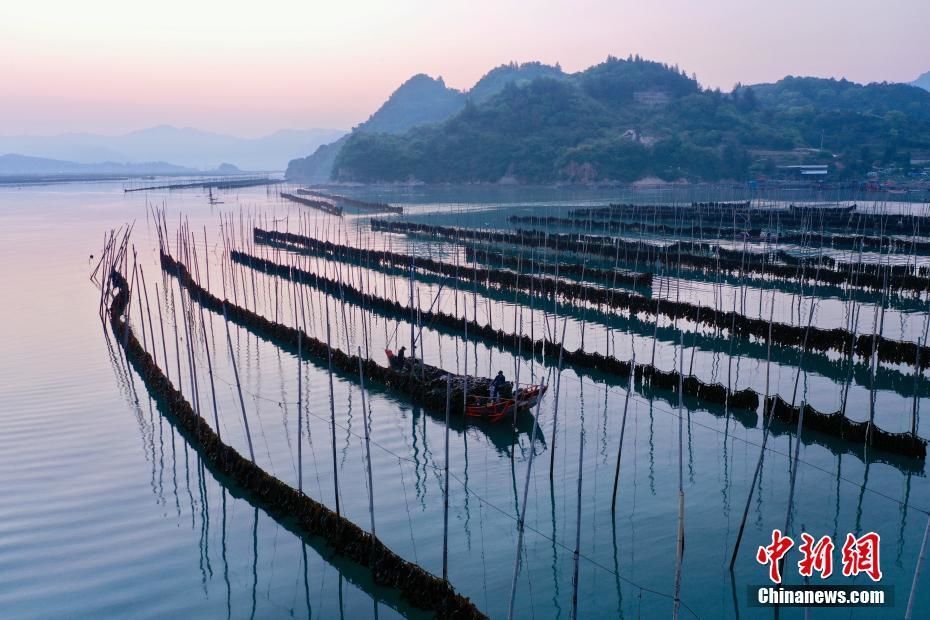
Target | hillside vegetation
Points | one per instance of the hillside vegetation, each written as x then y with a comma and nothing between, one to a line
419,101
624,120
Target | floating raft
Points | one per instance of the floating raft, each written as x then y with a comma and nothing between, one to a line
646,375
322,205
578,359
311,518
522,265
798,216
419,387
838,425
705,257
214,184
770,234
377,207
819,339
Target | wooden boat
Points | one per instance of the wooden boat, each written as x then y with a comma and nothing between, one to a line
478,401
494,409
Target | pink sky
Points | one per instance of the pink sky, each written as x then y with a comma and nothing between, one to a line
251,68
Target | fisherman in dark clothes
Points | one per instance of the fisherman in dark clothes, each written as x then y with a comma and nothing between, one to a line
497,383
399,359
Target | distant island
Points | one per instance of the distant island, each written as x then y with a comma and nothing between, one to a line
626,120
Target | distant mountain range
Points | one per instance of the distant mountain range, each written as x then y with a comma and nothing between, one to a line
23,165
923,81
185,147
620,121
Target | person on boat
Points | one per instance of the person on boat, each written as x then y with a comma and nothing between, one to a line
497,383
398,360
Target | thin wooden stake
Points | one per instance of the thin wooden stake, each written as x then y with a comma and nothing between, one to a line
365,420
680,551
626,405
555,408
232,358
206,346
521,521
920,560
332,407
445,510
575,555
300,364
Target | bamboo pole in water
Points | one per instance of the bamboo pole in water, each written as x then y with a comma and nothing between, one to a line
915,409
555,408
413,318
521,521
161,323
876,335
206,346
332,407
177,342
300,364
190,355
365,422
232,359
920,560
626,406
765,435
148,310
797,444
680,550
576,553
445,507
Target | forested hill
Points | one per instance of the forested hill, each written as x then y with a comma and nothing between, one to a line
624,120
421,100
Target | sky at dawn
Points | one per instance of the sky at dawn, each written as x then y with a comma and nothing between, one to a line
250,68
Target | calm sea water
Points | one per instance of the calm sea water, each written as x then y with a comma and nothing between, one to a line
107,512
